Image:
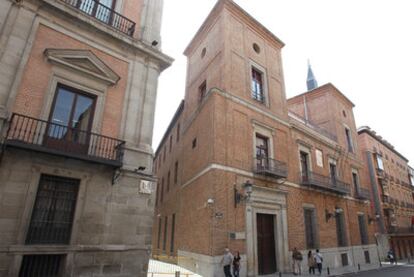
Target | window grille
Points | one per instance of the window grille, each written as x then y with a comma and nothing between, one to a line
41,265
53,212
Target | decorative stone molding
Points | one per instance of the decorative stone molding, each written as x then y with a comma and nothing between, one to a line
84,61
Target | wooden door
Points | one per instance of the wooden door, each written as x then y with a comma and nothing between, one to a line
266,251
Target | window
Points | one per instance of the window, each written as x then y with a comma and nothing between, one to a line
53,212
194,143
162,190
168,180
71,118
340,229
165,153
178,132
41,265
355,181
202,91
333,173
159,232
172,234
349,140
164,243
363,229
262,147
98,11
256,48
304,165
257,85
367,257
379,162
310,228
344,259
176,172
319,158
262,151
171,139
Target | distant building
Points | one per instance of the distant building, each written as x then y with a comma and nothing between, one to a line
391,180
77,97
241,166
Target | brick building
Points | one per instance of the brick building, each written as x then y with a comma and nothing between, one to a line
77,96
391,180
241,166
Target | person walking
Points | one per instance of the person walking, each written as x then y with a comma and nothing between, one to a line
319,261
297,259
226,262
236,264
311,262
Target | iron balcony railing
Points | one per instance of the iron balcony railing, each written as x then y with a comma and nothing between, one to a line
44,136
104,14
270,167
400,230
362,193
322,182
381,174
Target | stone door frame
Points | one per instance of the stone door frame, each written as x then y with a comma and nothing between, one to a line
267,201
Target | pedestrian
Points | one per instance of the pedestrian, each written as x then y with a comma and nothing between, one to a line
226,262
391,256
311,262
319,261
236,264
297,259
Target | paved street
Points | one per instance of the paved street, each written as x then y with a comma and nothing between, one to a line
395,271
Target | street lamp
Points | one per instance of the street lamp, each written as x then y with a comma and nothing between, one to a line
239,197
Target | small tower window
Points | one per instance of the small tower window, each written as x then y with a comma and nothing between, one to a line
256,48
203,52
257,85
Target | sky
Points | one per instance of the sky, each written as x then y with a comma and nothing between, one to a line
365,48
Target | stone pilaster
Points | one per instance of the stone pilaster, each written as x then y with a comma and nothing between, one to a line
151,21
16,29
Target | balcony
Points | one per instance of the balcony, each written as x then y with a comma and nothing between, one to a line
362,193
43,136
400,230
270,167
104,14
325,183
381,174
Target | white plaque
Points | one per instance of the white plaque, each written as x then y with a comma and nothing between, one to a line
145,187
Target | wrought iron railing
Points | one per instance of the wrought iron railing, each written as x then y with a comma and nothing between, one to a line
400,230
319,181
381,174
362,193
104,14
45,136
270,167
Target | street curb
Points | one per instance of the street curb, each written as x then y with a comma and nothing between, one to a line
368,270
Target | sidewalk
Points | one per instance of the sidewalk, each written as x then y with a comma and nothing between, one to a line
340,271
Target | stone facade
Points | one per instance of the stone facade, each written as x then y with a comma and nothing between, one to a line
45,45
393,193
210,149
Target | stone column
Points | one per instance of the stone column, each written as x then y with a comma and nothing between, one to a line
17,23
